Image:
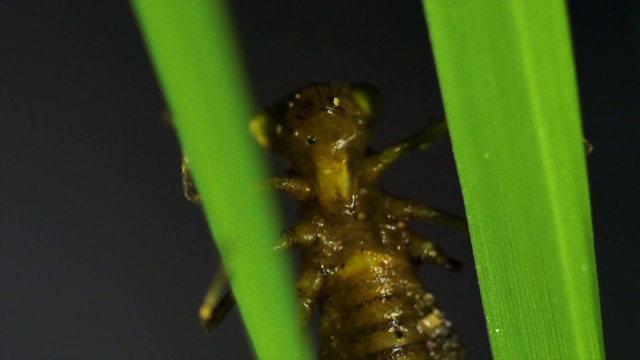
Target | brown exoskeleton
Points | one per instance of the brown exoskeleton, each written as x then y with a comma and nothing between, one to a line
358,253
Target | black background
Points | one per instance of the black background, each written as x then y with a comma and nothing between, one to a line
102,258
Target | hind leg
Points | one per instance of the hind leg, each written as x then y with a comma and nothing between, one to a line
427,252
216,306
188,187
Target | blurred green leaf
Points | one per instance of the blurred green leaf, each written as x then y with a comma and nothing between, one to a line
193,50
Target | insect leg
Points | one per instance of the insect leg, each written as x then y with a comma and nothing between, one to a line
301,236
188,187
213,309
377,164
427,252
295,186
409,209
309,286
588,148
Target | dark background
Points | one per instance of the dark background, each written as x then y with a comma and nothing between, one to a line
102,258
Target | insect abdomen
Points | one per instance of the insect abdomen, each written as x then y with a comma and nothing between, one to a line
377,309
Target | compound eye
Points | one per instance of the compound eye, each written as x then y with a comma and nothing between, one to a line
311,140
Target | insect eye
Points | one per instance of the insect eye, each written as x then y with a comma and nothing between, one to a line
311,140
334,101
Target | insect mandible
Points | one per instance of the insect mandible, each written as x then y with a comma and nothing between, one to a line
358,253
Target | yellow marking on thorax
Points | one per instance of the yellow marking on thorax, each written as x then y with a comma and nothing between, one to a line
367,261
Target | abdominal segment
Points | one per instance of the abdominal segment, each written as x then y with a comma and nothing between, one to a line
375,308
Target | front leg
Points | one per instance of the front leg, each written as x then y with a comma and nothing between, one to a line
301,236
297,187
377,164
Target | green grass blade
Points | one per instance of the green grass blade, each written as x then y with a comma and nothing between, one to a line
199,68
509,89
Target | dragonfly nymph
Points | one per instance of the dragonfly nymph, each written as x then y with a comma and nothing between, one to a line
358,253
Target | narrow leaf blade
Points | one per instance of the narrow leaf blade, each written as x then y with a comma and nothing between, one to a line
193,50
509,89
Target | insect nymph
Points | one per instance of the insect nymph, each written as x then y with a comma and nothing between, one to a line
358,253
